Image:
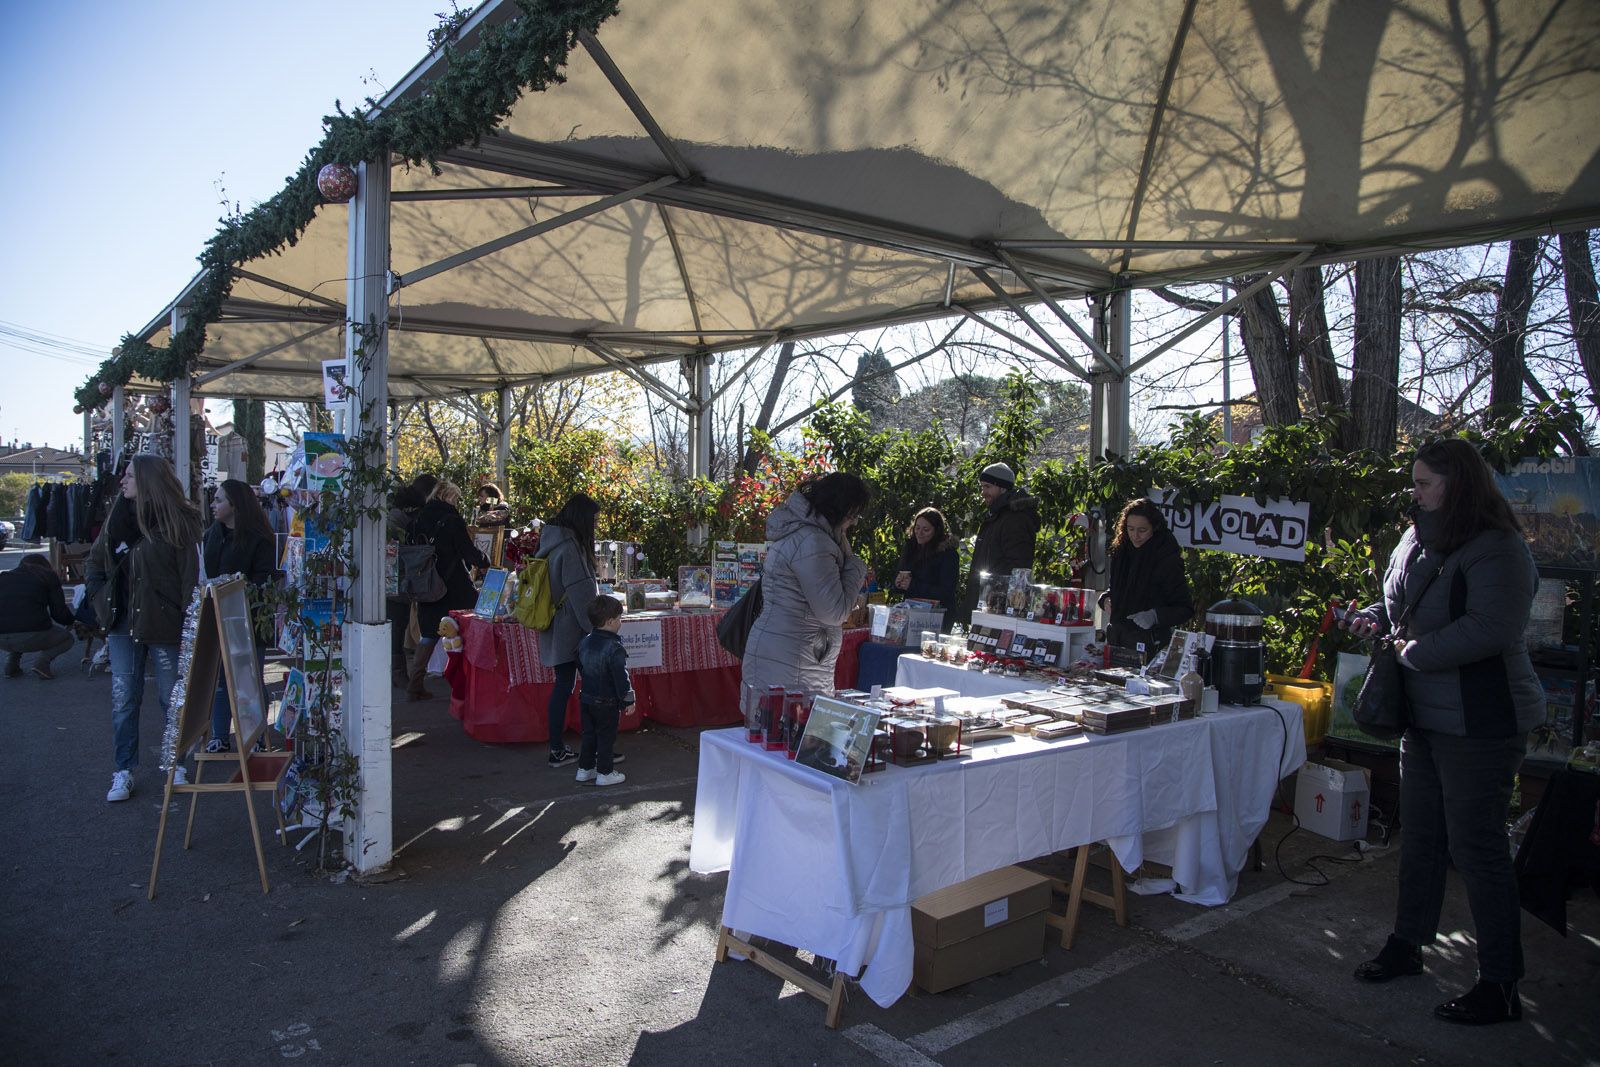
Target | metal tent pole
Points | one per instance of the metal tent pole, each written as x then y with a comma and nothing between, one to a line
119,424
182,418
502,448
368,722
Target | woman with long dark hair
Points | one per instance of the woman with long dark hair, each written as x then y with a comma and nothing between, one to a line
567,544
808,585
141,572
440,524
1149,592
930,563
1472,696
239,541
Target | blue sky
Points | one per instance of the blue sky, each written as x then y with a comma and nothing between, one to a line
121,122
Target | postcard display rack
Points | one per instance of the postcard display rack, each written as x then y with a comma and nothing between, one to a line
313,637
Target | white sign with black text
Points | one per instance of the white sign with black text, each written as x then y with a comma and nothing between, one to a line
1238,524
642,639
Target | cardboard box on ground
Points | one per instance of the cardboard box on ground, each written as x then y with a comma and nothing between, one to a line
978,927
1333,798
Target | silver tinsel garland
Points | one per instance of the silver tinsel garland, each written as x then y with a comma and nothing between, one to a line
191,626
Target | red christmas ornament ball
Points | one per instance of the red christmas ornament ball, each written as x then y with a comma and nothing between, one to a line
105,388
77,409
337,182
160,404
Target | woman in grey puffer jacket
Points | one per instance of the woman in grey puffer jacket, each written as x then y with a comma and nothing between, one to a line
1473,697
808,586
567,543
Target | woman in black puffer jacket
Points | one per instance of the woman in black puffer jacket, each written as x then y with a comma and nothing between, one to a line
1149,593
239,541
440,524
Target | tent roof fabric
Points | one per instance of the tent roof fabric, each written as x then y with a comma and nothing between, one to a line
809,168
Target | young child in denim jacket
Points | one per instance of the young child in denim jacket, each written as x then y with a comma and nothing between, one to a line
606,692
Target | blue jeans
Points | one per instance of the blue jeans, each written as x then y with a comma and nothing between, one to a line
127,690
222,708
1454,795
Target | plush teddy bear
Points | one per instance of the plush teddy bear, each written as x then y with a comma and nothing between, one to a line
450,633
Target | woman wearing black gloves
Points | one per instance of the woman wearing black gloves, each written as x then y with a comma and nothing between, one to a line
1149,593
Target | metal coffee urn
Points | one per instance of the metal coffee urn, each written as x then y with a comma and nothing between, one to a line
1238,659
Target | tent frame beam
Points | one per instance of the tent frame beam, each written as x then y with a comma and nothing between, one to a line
738,375
1060,313
1220,310
527,233
304,294
239,364
846,387
495,192
1062,357
619,82
519,157
648,381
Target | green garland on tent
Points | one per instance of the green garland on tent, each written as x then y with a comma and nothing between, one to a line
470,99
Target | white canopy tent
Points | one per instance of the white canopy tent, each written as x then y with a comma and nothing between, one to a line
717,176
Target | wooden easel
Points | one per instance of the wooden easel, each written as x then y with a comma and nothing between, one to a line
1078,893
831,994
225,638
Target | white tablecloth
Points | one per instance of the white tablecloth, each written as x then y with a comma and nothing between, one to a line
832,868
917,673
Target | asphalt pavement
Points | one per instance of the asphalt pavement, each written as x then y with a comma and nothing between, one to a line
531,920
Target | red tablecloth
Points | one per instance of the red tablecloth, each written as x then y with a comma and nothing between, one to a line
505,690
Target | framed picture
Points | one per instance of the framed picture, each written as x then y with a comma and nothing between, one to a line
490,541
836,738
492,595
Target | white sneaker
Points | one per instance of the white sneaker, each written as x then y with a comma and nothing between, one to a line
585,775
614,778
121,786
180,775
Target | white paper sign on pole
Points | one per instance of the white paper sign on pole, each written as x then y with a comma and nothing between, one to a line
1238,524
334,390
642,639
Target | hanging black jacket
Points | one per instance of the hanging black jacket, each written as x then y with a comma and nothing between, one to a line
1148,579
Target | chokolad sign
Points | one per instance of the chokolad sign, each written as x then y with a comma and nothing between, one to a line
1275,530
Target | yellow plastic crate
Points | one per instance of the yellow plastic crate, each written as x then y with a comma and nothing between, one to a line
1315,699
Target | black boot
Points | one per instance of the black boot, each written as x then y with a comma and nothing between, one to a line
1484,1003
1397,959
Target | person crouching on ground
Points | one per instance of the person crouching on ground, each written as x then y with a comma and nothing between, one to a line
606,693
33,616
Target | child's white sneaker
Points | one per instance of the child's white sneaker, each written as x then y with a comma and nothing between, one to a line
614,778
585,775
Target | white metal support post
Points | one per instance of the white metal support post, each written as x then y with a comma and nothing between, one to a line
182,418
368,722
1108,406
119,422
701,406
502,448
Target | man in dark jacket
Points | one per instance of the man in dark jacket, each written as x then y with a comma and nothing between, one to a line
1007,532
33,616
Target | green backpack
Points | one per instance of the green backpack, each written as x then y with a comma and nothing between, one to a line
536,605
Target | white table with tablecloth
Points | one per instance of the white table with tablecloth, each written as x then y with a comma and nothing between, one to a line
830,867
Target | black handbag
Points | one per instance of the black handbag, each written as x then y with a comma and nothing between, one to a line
1381,710
733,629
420,580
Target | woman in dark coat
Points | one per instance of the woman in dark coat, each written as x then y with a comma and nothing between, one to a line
1472,696
440,524
1149,593
930,563
238,541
